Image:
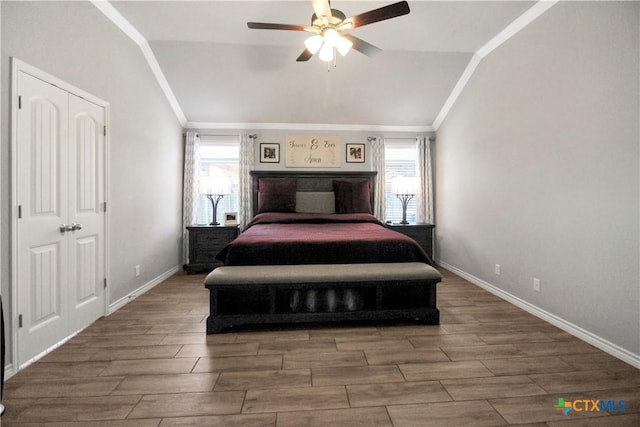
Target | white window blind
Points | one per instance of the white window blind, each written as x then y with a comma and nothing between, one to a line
219,157
401,159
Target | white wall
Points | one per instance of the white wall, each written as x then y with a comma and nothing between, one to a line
537,169
76,43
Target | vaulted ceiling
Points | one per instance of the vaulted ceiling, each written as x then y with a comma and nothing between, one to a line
224,74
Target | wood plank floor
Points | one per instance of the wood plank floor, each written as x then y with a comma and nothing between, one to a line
488,363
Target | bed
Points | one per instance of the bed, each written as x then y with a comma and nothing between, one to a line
279,238
314,251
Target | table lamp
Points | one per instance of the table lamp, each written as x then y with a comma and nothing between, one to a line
405,188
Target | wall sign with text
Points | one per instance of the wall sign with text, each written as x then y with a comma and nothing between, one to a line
312,151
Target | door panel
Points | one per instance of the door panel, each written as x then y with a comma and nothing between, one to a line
87,147
45,142
87,270
45,286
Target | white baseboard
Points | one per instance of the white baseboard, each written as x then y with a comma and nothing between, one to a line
49,350
9,371
141,290
577,331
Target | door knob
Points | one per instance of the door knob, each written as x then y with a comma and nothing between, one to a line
65,228
76,226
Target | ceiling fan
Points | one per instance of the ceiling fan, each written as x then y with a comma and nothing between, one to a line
330,26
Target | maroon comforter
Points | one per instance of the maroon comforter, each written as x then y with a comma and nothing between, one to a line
296,238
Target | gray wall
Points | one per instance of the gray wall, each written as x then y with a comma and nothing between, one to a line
76,43
537,169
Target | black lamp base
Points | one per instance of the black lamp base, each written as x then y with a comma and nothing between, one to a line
404,199
214,198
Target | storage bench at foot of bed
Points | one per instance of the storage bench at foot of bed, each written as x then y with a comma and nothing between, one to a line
240,295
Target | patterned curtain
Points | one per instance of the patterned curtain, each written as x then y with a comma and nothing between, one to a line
190,193
247,150
425,191
378,161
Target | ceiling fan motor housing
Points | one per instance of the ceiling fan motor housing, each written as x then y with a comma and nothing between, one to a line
336,17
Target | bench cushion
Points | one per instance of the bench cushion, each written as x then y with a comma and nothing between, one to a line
318,273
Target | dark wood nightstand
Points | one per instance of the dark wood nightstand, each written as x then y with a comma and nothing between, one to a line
421,233
205,241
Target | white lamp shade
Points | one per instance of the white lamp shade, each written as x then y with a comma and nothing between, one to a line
313,43
331,37
404,185
343,45
326,53
215,185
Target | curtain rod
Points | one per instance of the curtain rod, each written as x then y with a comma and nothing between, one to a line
217,134
375,138
252,136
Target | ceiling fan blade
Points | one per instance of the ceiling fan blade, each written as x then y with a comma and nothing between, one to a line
376,15
304,56
268,26
361,45
321,8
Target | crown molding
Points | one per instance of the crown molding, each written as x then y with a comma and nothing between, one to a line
121,22
512,29
307,127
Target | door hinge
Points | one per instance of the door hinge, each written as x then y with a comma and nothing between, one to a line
104,129
104,207
105,283
20,102
20,321
19,211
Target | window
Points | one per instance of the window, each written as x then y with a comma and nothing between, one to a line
219,157
401,160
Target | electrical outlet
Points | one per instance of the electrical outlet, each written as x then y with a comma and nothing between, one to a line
497,269
536,284
137,270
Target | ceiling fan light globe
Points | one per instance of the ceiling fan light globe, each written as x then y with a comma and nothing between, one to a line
313,43
343,45
331,36
326,53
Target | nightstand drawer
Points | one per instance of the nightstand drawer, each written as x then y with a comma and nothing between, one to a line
209,239
202,252
417,235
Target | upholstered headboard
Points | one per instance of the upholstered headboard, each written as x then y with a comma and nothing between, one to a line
315,189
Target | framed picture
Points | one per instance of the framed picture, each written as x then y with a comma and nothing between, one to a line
231,218
269,153
355,153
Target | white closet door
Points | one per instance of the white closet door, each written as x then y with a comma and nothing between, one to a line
60,232
42,194
86,212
